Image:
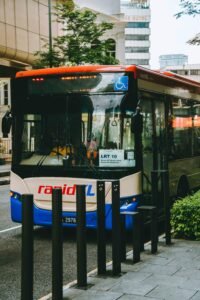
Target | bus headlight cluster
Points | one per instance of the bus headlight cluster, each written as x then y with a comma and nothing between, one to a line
15,195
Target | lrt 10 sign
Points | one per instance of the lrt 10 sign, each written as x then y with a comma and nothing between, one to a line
116,158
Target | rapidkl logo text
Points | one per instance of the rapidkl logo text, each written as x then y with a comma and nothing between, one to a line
66,189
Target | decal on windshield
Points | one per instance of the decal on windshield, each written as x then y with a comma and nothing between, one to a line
121,83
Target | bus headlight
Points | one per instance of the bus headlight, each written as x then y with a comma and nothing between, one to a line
15,195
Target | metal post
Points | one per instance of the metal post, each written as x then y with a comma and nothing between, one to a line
116,228
136,237
101,234
50,34
142,229
154,180
165,184
27,248
57,245
154,235
81,236
123,236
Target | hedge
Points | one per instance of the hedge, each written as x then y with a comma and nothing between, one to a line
185,217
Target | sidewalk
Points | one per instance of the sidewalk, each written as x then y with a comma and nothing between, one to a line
173,273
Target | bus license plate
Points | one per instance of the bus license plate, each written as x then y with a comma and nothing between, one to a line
69,220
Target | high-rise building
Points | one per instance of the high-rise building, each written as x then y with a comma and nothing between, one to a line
137,31
172,60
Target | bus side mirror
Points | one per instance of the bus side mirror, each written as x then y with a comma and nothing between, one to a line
6,124
137,123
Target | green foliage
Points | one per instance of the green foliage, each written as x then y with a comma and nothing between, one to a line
191,8
185,217
81,41
45,57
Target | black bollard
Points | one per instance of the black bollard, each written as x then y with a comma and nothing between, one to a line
116,259
136,237
101,234
154,180
81,236
152,211
154,233
166,196
27,248
57,245
123,236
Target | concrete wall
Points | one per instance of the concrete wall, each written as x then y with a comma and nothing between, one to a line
109,11
23,25
24,28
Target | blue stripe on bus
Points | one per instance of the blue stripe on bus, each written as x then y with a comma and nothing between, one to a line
44,217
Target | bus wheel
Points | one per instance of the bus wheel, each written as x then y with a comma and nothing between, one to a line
183,188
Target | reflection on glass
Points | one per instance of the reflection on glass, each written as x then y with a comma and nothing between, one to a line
79,128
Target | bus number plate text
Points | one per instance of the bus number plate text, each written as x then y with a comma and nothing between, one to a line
70,220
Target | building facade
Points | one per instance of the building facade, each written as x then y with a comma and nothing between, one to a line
133,44
191,71
136,13
24,28
172,60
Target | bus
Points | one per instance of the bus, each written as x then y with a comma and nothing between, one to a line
77,125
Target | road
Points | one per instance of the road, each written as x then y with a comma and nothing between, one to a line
10,254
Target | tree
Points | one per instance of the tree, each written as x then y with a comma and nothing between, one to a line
191,8
82,39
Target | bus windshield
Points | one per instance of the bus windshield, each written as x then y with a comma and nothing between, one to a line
78,130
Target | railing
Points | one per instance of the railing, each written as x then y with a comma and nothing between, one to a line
118,233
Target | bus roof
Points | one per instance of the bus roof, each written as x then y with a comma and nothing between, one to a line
139,72
71,69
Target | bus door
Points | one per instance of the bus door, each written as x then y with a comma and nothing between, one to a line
153,139
160,146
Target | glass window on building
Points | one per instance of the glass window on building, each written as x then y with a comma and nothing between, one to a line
182,72
135,4
194,72
136,49
172,60
137,25
136,37
4,91
137,62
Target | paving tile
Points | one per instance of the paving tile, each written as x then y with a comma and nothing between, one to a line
98,295
189,273
170,280
158,269
71,293
104,284
136,276
190,283
136,297
196,296
172,293
158,260
136,288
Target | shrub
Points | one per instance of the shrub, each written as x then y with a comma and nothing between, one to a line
185,217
